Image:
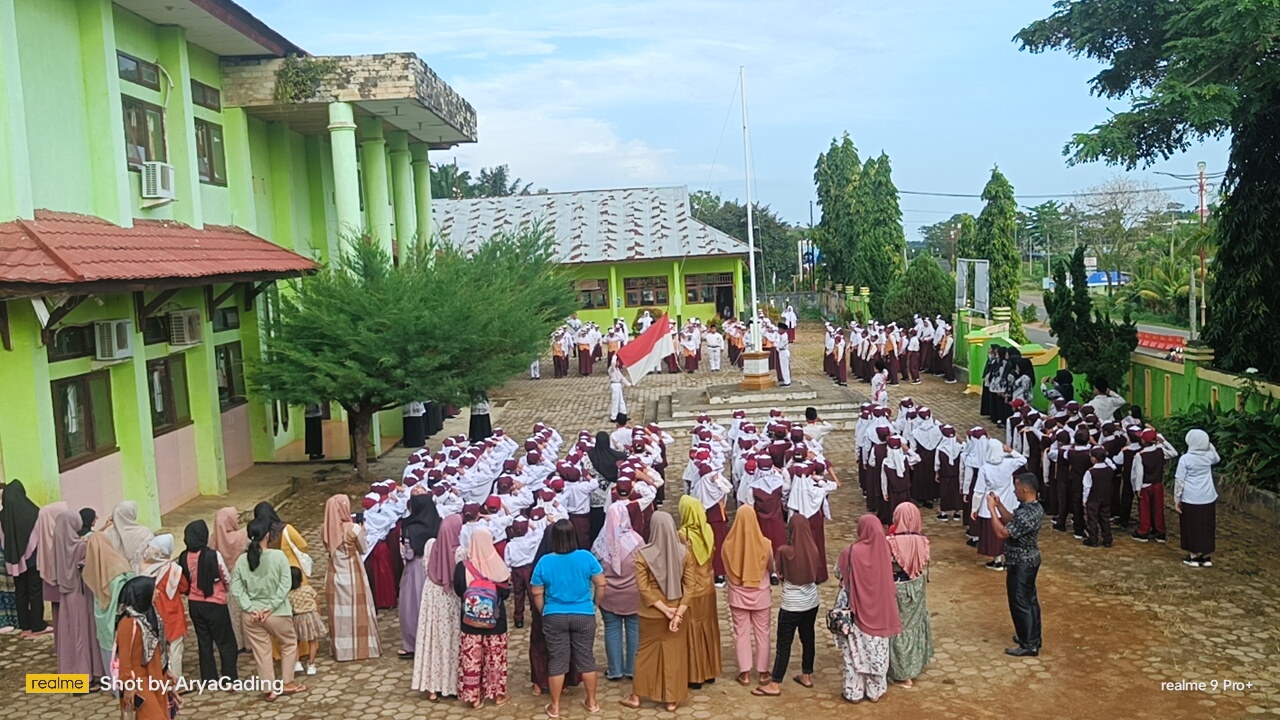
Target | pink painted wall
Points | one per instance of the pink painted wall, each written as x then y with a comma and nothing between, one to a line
98,485
177,475
237,449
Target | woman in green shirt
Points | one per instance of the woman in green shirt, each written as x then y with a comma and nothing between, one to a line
261,584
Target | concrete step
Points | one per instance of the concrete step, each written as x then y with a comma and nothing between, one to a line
839,420
650,413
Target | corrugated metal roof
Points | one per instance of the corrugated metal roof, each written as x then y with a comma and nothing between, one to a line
62,248
592,227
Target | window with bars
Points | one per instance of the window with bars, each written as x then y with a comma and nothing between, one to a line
645,291
206,96
702,288
82,418
211,159
143,133
167,386
592,294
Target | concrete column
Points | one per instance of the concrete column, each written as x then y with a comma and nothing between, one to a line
346,173
110,173
15,165
235,138
180,127
373,170
206,410
402,183
27,427
280,160
422,190
615,292
318,221
676,291
739,285
131,406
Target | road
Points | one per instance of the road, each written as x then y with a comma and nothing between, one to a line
1042,335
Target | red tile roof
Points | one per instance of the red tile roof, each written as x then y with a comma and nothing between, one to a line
58,248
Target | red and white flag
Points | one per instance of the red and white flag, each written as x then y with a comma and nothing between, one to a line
644,354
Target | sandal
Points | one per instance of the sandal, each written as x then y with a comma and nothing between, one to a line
588,708
499,702
761,692
671,707
547,708
744,678
799,680
633,706
272,696
294,690
433,697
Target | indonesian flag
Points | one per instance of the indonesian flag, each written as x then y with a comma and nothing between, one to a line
644,354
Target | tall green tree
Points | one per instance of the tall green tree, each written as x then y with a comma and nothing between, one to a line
942,239
372,335
880,244
449,182
923,289
1089,341
1191,70
836,176
997,238
775,238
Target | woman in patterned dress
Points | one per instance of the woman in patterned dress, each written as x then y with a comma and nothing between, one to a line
435,656
353,626
910,651
865,570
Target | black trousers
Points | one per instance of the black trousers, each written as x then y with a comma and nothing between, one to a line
788,623
212,623
595,520
1024,604
29,592
1098,519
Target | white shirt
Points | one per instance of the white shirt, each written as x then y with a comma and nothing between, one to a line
576,497
996,478
1193,481
1105,406
620,439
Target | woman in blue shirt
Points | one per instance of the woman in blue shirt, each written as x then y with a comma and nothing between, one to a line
567,585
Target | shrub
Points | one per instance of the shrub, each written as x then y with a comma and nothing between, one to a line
1029,314
923,289
1248,441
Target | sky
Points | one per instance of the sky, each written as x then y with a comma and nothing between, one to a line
580,95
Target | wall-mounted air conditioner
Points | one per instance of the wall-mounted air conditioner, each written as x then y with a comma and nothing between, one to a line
157,181
113,339
185,328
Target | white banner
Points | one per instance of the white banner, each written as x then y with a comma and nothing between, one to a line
962,283
982,287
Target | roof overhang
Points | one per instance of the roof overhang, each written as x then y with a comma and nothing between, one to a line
220,26
397,87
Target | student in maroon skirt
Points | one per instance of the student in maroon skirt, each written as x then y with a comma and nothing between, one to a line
995,477
947,466
895,477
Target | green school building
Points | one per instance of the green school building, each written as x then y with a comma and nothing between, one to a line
162,166
628,250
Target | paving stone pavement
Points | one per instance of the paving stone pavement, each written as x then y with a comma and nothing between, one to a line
1118,622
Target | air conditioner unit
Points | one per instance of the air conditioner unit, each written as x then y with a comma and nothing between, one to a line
113,339
185,328
157,181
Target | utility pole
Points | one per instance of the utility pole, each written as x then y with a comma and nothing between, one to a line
1204,216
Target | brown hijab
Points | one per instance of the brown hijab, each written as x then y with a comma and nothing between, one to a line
62,551
228,537
867,575
337,516
746,551
799,562
102,564
665,556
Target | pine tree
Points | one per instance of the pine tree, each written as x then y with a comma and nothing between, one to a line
1089,341
923,289
997,239
836,175
880,242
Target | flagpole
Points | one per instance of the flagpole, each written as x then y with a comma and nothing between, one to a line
751,238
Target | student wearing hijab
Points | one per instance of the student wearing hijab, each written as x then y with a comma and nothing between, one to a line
128,536
170,585
45,521
995,477
799,565
229,540
602,467
105,572
616,550
283,535
482,652
912,649
19,537
88,516
867,590
421,525
207,581
261,584
142,651
948,461
76,638
663,567
748,563
1196,499
435,650
353,626
703,633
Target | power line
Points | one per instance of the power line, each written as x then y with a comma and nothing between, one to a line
1047,197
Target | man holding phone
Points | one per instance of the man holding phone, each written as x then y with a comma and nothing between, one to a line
1021,532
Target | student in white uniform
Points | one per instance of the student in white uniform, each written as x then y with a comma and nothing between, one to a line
617,403
784,355
715,342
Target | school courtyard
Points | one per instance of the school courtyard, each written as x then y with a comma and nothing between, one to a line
1121,625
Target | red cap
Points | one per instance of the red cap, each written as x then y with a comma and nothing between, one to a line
556,485
493,503
546,495
1149,435
537,513
368,501
470,511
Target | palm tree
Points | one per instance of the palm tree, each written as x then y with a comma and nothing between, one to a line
1162,285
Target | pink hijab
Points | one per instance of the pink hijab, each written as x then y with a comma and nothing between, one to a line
337,516
46,540
868,579
483,557
229,538
617,541
444,552
909,546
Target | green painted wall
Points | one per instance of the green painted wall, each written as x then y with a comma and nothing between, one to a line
674,271
15,165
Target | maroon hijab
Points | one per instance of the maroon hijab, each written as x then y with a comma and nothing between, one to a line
868,579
